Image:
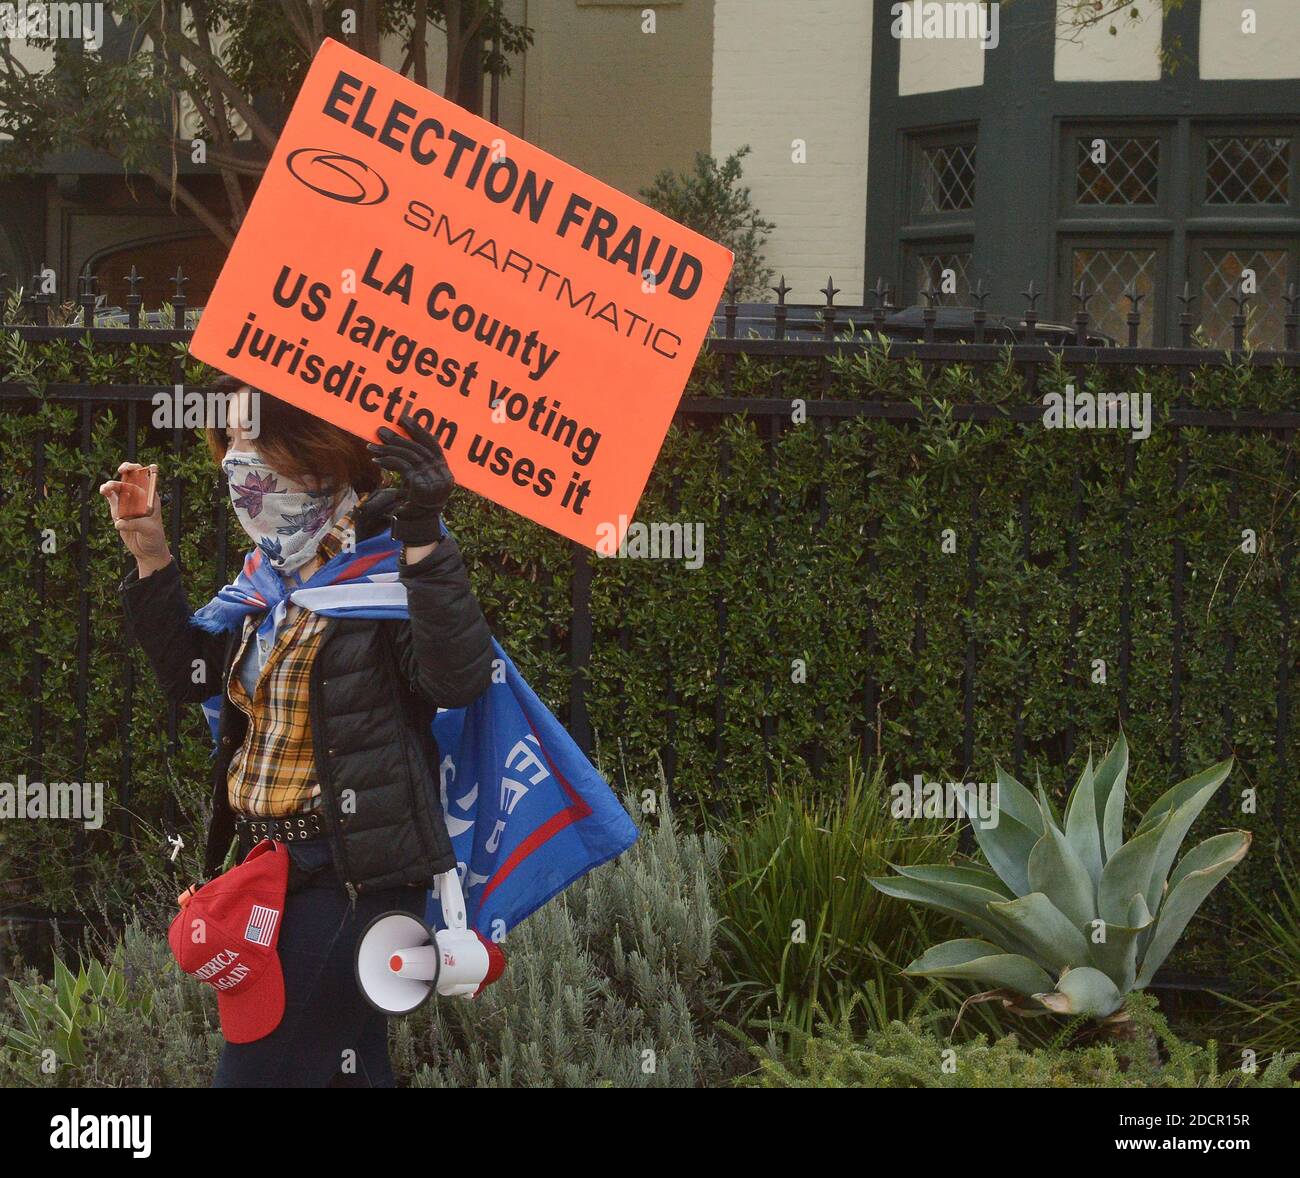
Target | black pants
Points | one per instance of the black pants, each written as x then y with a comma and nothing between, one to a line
330,1037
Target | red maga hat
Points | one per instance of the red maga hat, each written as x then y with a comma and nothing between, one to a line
226,935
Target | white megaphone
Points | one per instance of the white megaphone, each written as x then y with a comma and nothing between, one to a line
401,960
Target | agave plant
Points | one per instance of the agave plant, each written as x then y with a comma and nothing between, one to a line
1069,918
56,1017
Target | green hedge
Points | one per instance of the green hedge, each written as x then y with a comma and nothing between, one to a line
793,589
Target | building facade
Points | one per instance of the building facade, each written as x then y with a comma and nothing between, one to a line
1163,159
899,141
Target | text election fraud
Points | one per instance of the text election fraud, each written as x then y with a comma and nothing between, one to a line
471,163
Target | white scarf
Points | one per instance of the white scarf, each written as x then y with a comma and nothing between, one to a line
283,517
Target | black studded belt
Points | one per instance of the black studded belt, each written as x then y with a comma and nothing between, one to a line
298,828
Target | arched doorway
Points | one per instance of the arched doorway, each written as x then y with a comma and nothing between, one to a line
199,256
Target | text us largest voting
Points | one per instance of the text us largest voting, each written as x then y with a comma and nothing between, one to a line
404,255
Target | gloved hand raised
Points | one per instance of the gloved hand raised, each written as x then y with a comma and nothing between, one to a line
426,480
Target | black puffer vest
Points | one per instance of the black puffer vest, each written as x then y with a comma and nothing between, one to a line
374,688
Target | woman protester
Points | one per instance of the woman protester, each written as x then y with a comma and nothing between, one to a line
323,741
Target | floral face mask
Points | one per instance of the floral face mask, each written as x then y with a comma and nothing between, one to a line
284,518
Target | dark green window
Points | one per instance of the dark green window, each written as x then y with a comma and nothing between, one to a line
939,230
1109,274
1248,170
945,272
1124,225
948,177
1266,267
1114,170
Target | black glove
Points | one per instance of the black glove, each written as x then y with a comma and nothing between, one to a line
426,483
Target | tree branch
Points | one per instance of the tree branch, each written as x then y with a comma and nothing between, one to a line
211,72
317,19
201,212
228,160
370,28
295,12
220,127
419,36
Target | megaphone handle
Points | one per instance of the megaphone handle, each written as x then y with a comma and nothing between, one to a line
453,902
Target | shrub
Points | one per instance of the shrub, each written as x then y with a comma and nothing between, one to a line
1270,969
136,1022
821,541
804,928
908,1055
710,201
615,983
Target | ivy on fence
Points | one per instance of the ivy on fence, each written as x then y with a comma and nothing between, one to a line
943,593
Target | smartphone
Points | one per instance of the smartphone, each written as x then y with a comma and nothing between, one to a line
136,499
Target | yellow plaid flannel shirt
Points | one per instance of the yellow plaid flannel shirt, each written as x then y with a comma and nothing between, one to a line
273,774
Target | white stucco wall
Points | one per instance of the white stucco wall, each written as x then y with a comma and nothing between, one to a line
435,48
784,72
930,63
35,61
1230,49
1093,54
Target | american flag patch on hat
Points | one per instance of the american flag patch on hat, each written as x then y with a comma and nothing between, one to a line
261,925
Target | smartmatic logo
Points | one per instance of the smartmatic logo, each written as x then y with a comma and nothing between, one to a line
338,176
80,1130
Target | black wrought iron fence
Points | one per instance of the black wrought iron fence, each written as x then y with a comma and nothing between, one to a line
820,335
932,336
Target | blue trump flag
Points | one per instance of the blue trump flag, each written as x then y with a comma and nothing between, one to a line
527,812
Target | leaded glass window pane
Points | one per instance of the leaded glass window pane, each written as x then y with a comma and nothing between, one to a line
1107,275
1223,269
1248,170
948,178
1112,171
938,271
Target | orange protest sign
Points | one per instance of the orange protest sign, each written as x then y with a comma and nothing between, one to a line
402,254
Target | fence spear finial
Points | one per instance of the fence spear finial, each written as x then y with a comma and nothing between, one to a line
1239,297
1134,317
1031,297
1081,317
